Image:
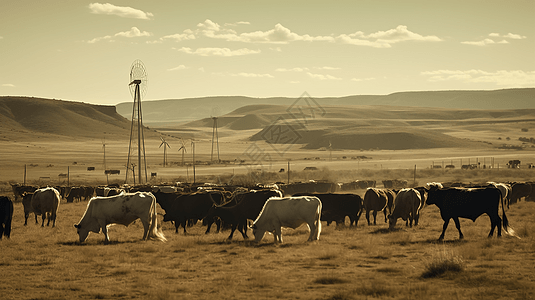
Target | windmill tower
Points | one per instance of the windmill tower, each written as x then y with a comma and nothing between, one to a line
165,146
136,149
104,150
215,140
183,149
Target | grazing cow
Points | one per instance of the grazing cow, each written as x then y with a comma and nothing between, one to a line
248,208
335,207
289,212
75,193
391,195
406,206
27,204
504,189
6,215
45,202
455,203
519,190
187,207
376,200
123,209
19,189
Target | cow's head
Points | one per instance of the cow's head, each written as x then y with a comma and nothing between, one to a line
82,233
391,222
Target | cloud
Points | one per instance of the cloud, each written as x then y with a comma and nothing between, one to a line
121,11
187,34
514,78
323,77
480,43
384,39
218,51
327,68
291,70
8,85
180,67
495,35
133,32
244,74
237,23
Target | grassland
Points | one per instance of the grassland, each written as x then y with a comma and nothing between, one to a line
367,262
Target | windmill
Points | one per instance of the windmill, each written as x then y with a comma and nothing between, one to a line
183,149
138,88
165,146
215,140
330,151
104,150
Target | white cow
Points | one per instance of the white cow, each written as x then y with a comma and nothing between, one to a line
45,202
123,209
406,206
504,188
289,212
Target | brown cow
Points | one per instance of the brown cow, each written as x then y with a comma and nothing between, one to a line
376,200
45,202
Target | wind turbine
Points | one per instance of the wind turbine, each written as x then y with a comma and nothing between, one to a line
165,146
183,148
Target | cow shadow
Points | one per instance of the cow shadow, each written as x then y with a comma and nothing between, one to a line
98,243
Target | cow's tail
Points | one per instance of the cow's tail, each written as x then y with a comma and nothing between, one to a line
318,221
505,223
154,231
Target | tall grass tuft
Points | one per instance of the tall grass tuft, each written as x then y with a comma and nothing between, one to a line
443,262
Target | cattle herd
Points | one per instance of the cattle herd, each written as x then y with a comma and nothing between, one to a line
264,208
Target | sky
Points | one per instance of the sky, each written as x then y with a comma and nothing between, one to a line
83,50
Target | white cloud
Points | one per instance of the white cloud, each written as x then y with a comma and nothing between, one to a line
133,32
252,75
323,77
480,43
121,11
515,78
385,39
495,35
187,34
218,51
237,23
291,70
327,68
180,67
8,85
514,36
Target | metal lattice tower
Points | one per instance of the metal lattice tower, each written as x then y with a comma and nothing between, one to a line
215,140
136,149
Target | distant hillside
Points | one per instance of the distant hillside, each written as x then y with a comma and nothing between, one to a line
28,117
169,112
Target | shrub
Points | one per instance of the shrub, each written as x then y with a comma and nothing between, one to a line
444,262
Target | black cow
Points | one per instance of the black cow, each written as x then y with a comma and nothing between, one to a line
455,203
27,204
519,190
335,207
19,190
248,207
75,193
6,215
186,207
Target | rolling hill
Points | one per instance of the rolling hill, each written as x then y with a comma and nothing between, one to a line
170,112
29,118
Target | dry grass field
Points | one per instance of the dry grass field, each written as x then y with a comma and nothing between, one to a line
367,262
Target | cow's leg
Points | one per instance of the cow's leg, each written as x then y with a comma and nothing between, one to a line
384,212
146,227
242,228
26,215
368,216
458,225
2,230
312,235
184,223
495,221
374,217
232,229
44,217
176,226
278,234
105,232
35,215
444,227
